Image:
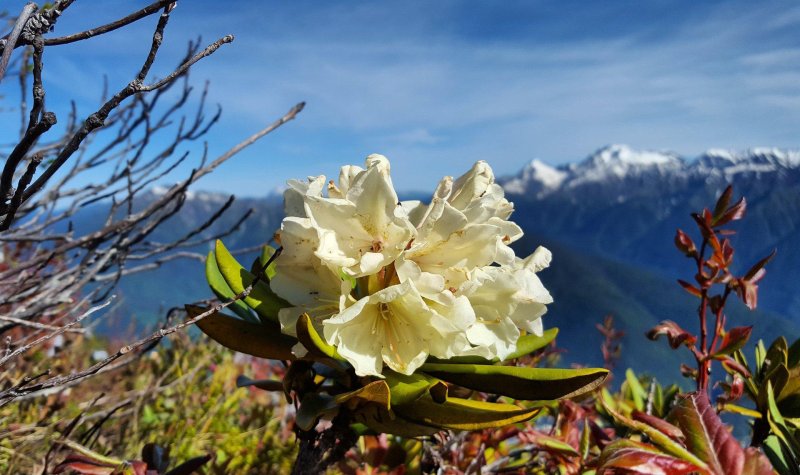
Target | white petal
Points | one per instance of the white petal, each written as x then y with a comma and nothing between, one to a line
499,337
294,195
540,259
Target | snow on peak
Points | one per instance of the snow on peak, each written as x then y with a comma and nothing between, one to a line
619,161
622,154
615,163
755,160
546,176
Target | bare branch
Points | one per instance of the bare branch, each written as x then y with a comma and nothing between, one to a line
132,18
11,40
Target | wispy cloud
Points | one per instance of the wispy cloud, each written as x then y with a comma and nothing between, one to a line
434,87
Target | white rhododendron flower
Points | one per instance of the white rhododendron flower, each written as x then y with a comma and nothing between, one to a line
392,283
395,326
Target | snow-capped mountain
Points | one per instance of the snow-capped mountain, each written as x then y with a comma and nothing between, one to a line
616,165
625,204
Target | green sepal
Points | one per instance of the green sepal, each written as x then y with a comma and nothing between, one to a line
261,298
245,337
520,382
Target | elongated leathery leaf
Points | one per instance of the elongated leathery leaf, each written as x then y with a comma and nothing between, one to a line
313,342
463,414
388,422
261,263
520,382
261,298
526,345
405,389
376,392
223,291
245,337
312,407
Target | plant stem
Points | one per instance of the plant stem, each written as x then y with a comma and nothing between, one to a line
703,364
319,450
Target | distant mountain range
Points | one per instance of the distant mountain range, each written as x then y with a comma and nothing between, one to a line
626,205
610,222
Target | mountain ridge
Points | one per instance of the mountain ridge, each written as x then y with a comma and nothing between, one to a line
619,163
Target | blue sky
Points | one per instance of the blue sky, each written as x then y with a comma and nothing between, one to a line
436,85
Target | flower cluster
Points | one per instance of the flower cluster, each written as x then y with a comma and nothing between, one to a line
390,282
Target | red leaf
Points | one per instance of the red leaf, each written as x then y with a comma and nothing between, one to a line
734,340
723,202
706,435
631,457
733,213
663,426
733,391
685,244
747,290
676,335
733,366
755,463
703,225
688,371
84,465
690,288
758,267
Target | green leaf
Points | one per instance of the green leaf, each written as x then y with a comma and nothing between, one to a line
376,392
464,414
551,444
224,292
261,298
761,354
778,352
637,391
313,342
777,423
387,422
520,382
409,388
780,456
526,345
261,263
245,337
265,384
793,354
312,407
529,343
585,445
